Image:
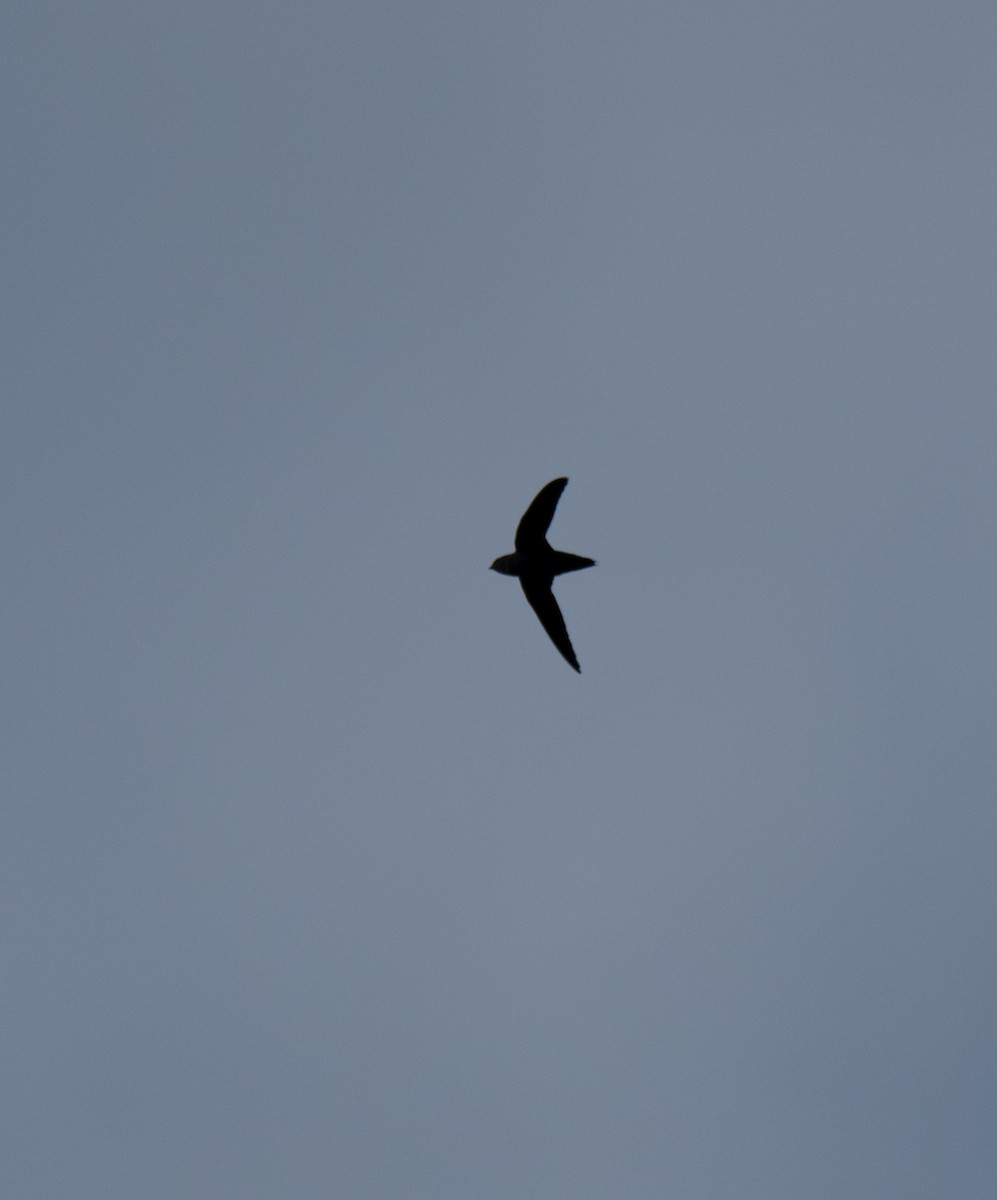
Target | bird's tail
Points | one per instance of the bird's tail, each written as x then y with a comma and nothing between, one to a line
564,562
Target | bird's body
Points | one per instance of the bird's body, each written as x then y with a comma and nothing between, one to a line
535,563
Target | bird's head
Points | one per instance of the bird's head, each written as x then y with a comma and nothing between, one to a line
507,564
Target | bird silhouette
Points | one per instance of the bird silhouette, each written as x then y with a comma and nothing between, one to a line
535,563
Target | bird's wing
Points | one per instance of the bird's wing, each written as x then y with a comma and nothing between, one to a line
542,601
536,520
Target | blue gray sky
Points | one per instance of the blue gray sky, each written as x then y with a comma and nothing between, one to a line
322,874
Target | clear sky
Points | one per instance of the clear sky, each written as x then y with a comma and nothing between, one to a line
322,874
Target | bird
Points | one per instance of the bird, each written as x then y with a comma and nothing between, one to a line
535,563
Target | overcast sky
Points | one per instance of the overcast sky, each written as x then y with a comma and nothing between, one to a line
322,874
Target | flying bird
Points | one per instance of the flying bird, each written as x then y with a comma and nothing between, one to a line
535,563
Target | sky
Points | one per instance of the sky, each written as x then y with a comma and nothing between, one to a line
322,874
